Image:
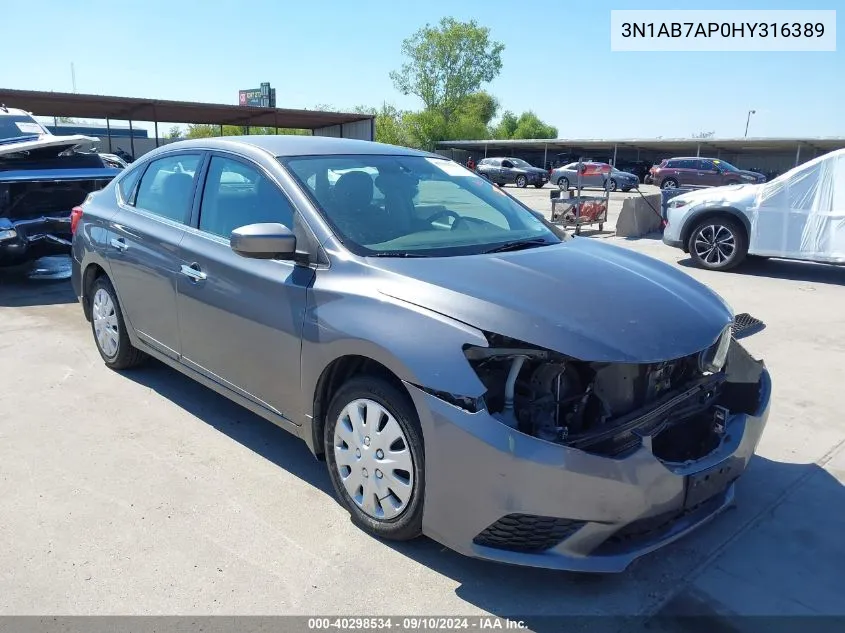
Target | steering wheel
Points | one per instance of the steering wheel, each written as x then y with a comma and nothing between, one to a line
456,219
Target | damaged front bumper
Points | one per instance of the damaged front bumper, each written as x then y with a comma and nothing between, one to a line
496,493
28,239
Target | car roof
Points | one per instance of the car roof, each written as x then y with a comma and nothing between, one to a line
290,145
4,111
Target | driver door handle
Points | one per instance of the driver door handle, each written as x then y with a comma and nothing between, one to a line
193,272
119,243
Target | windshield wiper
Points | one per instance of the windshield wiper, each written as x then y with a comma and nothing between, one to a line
395,254
516,245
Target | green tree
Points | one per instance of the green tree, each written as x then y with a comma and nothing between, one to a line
529,125
447,63
174,133
506,126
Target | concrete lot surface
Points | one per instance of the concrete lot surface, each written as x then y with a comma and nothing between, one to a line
145,493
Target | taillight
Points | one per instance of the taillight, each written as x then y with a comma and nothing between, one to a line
75,217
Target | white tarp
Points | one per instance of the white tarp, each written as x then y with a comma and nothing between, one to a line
801,214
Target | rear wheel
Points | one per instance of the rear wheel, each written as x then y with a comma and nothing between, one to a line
613,185
374,453
718,243
669,183
521,181
539,185
109,328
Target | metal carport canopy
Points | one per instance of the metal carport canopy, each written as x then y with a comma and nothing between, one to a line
824,144
137,109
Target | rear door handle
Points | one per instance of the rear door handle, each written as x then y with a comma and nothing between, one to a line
119,243
193,272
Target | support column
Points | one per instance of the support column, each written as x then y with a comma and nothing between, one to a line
132,140
108,131
545,155
798,155
221,129
485,150
698,150
156,124
614,154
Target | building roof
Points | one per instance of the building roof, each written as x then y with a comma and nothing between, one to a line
824,144
138,109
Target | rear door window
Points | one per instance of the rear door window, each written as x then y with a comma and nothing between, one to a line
167,186
236,194
126,186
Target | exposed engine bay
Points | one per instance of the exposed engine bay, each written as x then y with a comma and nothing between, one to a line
607,408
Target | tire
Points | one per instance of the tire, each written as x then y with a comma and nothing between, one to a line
563,183
521,181
369,391
613,185
109,328
539,185
727,232
626,189
669,183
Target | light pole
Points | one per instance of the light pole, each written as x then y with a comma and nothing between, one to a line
748,120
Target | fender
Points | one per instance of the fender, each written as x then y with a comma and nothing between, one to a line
419,346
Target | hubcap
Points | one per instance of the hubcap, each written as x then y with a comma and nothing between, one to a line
520,181
368,439
669,184
105,323
563,184
715,244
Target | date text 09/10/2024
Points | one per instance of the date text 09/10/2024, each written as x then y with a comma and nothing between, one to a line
416,623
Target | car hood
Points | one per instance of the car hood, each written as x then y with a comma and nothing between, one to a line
591,301
57,144
736,196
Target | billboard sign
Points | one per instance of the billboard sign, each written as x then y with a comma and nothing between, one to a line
263,97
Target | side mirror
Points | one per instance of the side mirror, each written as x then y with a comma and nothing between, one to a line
264,241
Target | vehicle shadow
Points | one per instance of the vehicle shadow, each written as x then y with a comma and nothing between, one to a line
548,601
243,426
786,269
18,291
651,592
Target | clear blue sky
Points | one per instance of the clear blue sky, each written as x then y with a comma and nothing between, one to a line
340,52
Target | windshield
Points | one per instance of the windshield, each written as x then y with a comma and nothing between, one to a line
19,126
725,166
414,206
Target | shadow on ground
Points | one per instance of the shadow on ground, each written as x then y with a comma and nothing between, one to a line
18,291
545,600
785,269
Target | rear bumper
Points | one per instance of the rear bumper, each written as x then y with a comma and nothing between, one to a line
26,240
593,513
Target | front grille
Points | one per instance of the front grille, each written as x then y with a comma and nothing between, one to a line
745,325
527,532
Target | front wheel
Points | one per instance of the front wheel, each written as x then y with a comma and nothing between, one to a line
521,182
613,185
539,185
718,244
375,456
109,328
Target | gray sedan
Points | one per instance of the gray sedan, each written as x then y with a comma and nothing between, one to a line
432,340
567,176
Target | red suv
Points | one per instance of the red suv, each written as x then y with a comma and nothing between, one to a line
700,172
